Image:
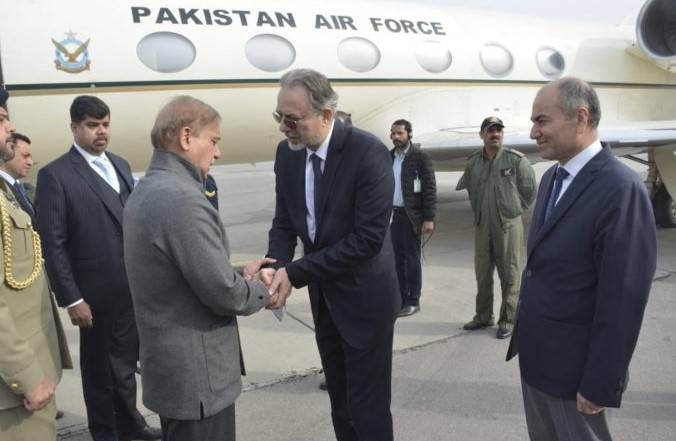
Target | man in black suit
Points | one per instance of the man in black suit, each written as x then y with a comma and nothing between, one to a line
334,187
18,168
591,259
79,200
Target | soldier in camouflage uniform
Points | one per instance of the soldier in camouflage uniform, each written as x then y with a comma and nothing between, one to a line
501,186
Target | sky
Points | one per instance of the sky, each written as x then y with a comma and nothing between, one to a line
603,11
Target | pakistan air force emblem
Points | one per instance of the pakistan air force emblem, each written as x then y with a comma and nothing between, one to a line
72,55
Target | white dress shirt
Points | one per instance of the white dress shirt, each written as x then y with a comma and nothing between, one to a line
11,181
89,158
577,163
7,177
322,151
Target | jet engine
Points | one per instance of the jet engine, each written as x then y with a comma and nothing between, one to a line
656,32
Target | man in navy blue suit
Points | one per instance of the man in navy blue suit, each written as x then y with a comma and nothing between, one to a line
591,259
334,187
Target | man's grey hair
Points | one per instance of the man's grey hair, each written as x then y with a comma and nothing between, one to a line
575,93
322,96
181,111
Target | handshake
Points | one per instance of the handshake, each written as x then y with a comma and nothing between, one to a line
277,281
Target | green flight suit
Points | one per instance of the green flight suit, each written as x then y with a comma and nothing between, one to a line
500,190
31,336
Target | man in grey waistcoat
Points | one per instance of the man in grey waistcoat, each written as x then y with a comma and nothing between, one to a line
185,292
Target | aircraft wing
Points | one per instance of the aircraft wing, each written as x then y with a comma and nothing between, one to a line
449,148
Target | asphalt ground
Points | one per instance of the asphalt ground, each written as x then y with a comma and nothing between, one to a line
448,384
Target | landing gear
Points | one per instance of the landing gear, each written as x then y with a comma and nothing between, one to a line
665,208
664,205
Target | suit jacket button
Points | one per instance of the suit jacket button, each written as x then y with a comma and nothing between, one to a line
14,386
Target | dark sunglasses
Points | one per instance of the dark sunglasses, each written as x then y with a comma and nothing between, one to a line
288,121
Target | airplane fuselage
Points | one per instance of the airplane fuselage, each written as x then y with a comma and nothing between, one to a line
441,68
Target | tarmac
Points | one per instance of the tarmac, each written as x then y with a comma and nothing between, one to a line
448,384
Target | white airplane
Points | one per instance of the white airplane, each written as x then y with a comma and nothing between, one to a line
444,69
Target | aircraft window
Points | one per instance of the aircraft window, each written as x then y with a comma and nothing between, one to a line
358,54
166,52
550,62
497,60
433,56
269,52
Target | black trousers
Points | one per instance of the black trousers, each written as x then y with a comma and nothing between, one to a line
218,427
406,244
359,382
108,355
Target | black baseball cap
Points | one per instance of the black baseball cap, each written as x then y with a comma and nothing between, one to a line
490,122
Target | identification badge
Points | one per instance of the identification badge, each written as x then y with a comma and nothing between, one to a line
417,186
507,172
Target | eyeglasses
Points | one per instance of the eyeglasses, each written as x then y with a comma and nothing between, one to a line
288,121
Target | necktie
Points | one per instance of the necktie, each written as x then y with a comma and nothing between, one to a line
561,174
26,202
103,166
317,170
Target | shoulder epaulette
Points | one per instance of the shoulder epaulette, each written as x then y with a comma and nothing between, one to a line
515,152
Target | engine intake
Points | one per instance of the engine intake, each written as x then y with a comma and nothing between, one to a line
656,31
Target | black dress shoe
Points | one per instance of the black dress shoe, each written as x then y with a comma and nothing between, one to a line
408,310
146,433
476,324
503,333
